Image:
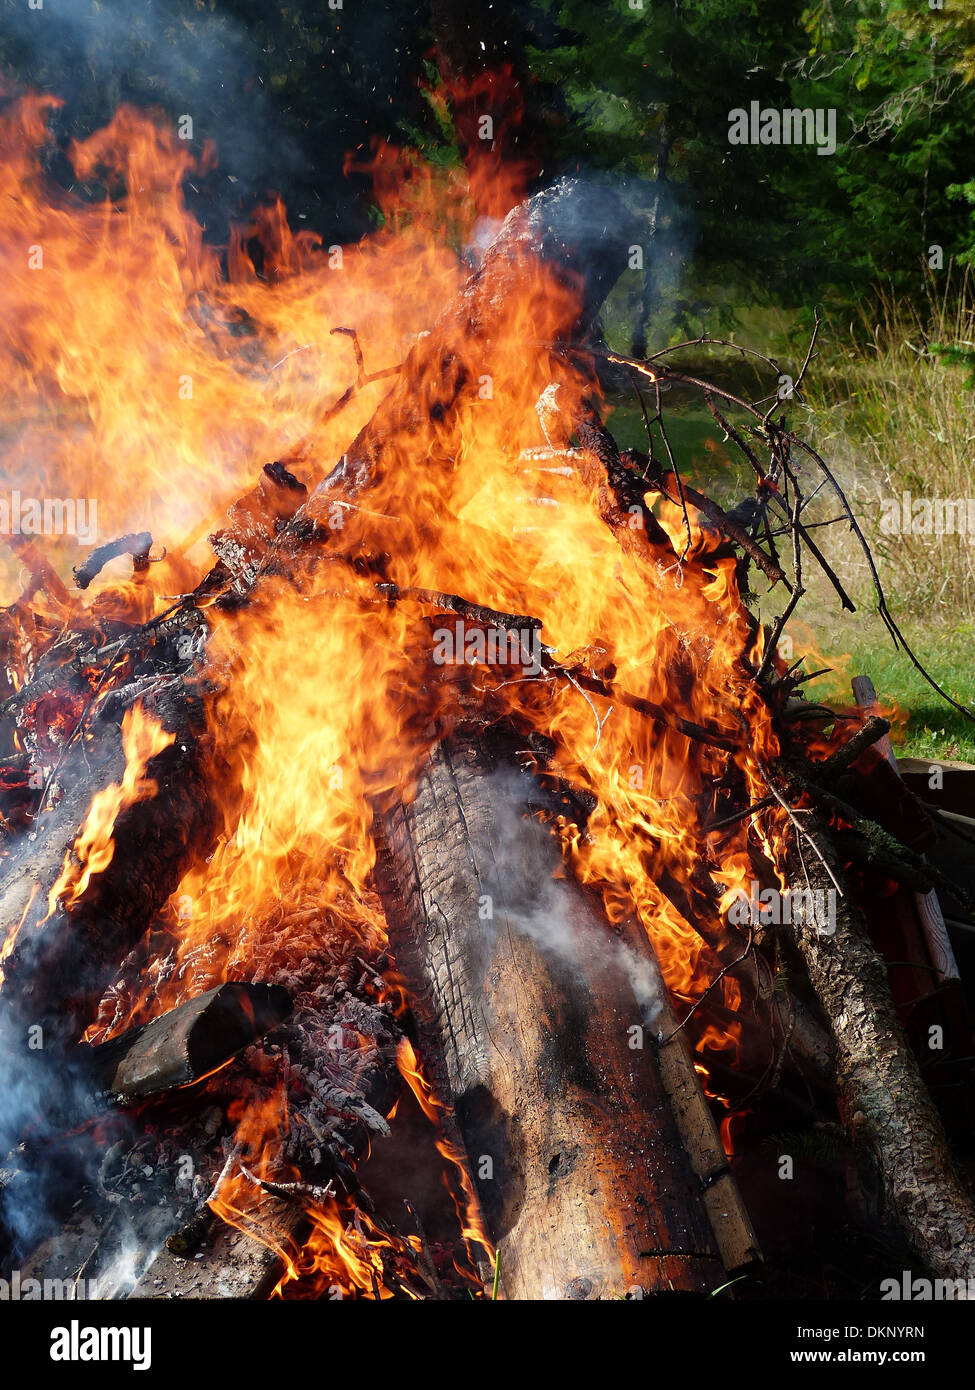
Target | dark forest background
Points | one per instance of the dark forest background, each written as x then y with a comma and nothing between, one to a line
635,87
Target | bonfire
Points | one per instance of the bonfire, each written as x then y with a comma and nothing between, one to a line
423,874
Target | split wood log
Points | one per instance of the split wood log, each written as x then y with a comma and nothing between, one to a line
187,1043
698,1130
883,1097
234,1264
528,1005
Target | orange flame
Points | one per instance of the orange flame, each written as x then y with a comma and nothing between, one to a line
468,1208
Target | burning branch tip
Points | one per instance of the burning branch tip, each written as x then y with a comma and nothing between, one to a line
289,1191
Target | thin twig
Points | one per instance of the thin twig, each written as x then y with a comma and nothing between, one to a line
796,595
714,983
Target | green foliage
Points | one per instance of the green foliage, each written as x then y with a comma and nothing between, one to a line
951,29
898,71
648,92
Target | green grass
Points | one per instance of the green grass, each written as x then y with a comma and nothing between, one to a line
942,635
898,418
925,726
895,417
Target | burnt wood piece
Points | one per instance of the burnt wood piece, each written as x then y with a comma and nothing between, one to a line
117,1243
234,1264
60,964
337,1057
527,1001
43,574
187,1043
628,491
178,1244
699,1132
255,521
137,544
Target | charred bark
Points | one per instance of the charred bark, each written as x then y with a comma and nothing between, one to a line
186,1043
61,963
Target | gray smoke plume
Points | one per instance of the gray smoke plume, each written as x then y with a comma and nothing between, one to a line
554,915
166,53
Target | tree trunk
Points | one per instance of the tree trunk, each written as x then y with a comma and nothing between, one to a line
884,1099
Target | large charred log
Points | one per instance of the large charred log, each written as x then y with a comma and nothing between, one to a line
528,1006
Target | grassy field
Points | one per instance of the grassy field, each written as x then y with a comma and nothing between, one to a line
898,419
925,726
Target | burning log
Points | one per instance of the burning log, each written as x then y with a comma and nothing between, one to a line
137,545
592,1147
42,573
700,1136
572,235
545,1024
233,1264
69,923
